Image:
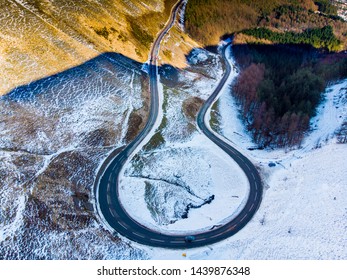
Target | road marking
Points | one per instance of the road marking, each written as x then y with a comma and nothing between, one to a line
251,208
253,176
114,213
158,240
139,235
123,226
108,199
219,234
177,242
244,217
231,228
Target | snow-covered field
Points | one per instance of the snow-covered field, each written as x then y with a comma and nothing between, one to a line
183,174
52,143
187,184
342,8
54,134
303,214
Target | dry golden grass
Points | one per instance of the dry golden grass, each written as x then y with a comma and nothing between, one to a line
46,37
208,20
175,48
246,39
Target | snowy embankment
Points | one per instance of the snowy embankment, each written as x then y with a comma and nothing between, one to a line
341,8
183,10
303,214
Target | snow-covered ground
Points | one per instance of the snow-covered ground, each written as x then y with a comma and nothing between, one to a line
342,8
187,184
54,134
183,174
52,143
303,214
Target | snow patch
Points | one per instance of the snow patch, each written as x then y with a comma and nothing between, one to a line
303,214
179,182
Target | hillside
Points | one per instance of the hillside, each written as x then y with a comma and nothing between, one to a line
208,20
285,51
41,38
74,93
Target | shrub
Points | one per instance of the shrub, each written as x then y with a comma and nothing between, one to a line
317,37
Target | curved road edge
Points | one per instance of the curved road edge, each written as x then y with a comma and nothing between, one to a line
106,194
256,187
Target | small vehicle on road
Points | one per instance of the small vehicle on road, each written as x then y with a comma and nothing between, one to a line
189,238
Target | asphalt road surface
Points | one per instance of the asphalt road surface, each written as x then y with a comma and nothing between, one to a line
107,182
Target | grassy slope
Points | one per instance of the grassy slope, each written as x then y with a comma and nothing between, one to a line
208,20
40,38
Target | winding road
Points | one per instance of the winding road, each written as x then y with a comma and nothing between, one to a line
110,208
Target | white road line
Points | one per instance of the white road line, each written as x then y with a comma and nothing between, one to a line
108,199
251,208
219,234
177,242
113,213
253,176
123,226
158,240
139,235
244,217
231,228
